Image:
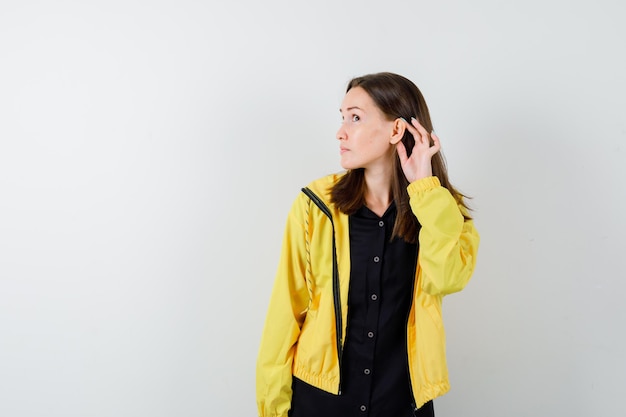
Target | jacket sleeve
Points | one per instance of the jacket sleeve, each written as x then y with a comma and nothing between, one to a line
286,312
448,242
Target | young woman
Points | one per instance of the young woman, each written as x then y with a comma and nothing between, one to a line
354,325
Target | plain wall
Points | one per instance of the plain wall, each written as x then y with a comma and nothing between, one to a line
149,153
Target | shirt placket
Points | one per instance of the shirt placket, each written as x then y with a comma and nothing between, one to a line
374,281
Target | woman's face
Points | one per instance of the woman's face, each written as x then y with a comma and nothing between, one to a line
365,134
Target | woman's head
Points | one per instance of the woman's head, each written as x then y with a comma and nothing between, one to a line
393,97
396,97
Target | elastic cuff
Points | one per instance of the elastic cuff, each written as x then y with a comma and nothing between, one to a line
423,184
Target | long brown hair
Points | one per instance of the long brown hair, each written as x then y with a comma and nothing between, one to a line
396,96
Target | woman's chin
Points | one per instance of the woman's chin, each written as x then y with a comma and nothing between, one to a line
348,165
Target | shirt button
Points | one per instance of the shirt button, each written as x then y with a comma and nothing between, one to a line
370,334
366,371
363,408
376,259
374,297
381,223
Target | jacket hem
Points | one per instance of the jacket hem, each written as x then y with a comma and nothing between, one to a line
330,385
430,392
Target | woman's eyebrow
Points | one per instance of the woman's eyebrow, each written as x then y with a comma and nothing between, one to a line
351,108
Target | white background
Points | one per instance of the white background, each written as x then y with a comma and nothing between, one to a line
149,153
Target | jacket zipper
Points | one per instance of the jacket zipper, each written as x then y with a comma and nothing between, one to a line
336,295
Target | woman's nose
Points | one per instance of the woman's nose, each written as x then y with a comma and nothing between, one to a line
341,133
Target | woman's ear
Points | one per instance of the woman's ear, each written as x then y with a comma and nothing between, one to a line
399,126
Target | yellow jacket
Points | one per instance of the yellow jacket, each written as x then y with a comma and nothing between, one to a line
306,321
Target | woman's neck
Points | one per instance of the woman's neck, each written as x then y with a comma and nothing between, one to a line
378,186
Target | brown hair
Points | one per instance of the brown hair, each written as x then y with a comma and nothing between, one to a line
395,96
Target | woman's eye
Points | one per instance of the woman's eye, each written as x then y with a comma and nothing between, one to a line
355,118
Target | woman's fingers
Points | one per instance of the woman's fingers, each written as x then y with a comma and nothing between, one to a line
412,128
424,137
419,132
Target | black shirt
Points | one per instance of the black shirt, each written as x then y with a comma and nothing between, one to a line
375,373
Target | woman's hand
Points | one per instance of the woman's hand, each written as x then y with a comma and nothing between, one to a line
418,166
